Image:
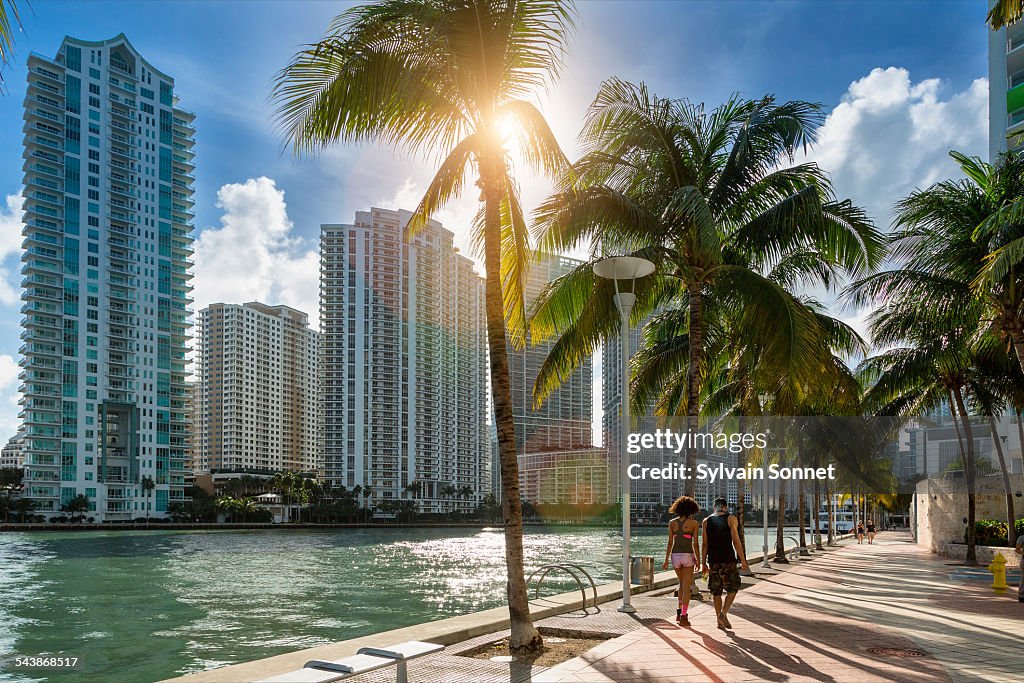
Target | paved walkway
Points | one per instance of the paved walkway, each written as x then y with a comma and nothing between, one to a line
882,612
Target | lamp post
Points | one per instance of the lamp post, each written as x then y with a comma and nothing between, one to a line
624,269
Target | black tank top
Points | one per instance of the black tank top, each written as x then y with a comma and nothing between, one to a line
719,540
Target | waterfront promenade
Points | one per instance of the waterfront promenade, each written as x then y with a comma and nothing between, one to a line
881,612
871,613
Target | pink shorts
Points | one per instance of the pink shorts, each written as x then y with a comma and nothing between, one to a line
683,560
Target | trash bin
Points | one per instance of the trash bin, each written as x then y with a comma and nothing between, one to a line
641,570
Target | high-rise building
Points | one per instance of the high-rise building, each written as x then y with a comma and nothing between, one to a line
404,354
1006,89
565,420
13,453
556,461
108,212
611,404
258,407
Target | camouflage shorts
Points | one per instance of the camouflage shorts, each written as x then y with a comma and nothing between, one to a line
723,577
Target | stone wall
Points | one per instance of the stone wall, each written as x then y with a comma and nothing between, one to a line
984,554
939,510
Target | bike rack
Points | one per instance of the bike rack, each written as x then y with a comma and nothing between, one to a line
570,569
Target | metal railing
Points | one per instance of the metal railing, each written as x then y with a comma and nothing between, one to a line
569,568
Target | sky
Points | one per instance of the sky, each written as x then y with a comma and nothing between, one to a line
902,82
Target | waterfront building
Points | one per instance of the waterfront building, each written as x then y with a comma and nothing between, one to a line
1006,89
575,477
404,362
108,211
13,452
611,403
257,398
561,430
565,420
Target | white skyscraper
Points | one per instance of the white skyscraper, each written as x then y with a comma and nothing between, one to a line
108,212
404,353
258,399
1006,88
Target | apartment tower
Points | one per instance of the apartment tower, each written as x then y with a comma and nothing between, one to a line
108,212
404,353
1006,89
257,399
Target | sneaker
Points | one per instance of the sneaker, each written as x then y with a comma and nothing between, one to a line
725,620
721,622
683,620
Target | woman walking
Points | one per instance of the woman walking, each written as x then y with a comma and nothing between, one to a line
683,531
871,531
860,532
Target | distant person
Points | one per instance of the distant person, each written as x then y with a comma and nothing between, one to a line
871,531
683,533
720,551
860,532
1020,551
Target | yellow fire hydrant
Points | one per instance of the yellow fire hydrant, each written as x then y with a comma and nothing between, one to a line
998,569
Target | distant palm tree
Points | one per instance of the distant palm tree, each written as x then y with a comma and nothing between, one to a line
1004,13
79,504
451,77
147,486
713,199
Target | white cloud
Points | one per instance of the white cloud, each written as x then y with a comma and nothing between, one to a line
10,245
889,135
254,254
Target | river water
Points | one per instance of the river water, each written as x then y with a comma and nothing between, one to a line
143,606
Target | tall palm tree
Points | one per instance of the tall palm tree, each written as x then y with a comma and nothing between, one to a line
1004,13
713,199
958,245
449,77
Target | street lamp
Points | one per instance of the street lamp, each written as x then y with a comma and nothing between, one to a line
624,270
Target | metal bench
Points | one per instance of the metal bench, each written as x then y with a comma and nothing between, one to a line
366,659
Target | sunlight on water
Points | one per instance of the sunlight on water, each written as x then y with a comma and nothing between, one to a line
144,606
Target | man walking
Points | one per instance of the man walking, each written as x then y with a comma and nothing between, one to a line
719,552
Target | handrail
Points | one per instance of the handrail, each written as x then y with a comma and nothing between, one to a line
568,568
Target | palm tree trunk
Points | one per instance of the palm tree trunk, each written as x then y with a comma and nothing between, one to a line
802,507
971,560
741,494
524,638
831,514
817,516
693,382
1007,487
780,539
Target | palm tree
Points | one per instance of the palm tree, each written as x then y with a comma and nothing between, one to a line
9,20
10,481
1004,13
147,486
449,76
23,507
79,504
712,201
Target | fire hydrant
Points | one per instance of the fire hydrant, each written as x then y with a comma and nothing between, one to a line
998,569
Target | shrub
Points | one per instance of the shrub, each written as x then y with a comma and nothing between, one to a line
992,532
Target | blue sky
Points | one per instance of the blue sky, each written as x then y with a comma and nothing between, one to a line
899,78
